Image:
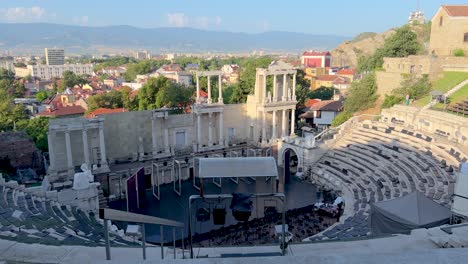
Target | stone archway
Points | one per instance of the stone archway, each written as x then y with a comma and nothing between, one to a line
290,161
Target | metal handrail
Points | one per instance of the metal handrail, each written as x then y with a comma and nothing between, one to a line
107,214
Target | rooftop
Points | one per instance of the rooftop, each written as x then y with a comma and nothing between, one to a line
327,105
105,111
456,10
316,53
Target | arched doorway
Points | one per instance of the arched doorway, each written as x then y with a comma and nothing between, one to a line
290,164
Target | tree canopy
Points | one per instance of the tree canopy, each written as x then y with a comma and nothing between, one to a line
70,79
361,94
401,44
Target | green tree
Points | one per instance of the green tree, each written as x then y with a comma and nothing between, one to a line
103,77
414,86
247,78
361,94
41,96
111,100
302,87
401,44
323,93
148,92
70,79
37,129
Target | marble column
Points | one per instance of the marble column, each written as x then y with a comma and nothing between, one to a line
264,88
70,167
198,89
275,87
51,136
210,129
209,90
293,119
294,88
86,148
273,133
199,131
220,93
154,138
102,146
264,127
221,128
285,90
283,124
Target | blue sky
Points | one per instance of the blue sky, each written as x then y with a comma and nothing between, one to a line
337,17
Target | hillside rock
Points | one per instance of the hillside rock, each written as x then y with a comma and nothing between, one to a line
347,53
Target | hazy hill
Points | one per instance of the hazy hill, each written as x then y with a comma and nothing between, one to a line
36,36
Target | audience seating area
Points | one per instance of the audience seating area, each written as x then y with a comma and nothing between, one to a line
376,161
26,218
459,108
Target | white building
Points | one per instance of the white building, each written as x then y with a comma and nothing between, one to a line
55,56
47,72
322,113
7,63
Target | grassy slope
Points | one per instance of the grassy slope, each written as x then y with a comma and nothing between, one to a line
456,97
444,84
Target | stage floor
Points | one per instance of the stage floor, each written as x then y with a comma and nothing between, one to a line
172,206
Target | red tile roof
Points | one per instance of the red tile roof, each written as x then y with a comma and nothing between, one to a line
63,111
347,72
316,53
327,105
105,111
327,77
456,10
311,102
202,93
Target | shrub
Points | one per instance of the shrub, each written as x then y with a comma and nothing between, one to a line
459,53
391,100
341,118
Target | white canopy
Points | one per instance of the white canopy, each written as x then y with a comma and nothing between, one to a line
237,167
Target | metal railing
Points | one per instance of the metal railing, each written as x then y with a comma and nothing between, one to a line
107,214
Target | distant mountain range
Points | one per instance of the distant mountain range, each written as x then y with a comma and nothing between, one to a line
32,37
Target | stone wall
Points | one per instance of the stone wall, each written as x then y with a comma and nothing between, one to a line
387,82
396,68
20,150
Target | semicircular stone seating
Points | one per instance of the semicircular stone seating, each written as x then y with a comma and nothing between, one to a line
26,218
375,161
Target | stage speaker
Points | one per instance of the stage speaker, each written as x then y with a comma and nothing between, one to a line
219,216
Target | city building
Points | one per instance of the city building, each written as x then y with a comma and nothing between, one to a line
321,114
142,55
47,72
54,56
7,63
449,30
326,81
316,59
230,73
416,17
350,74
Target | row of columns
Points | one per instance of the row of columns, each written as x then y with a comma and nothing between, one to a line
285,93
220,90
283,124
51,136
210,129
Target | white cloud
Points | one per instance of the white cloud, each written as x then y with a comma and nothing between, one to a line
177,19
81,20
182,20
18,14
